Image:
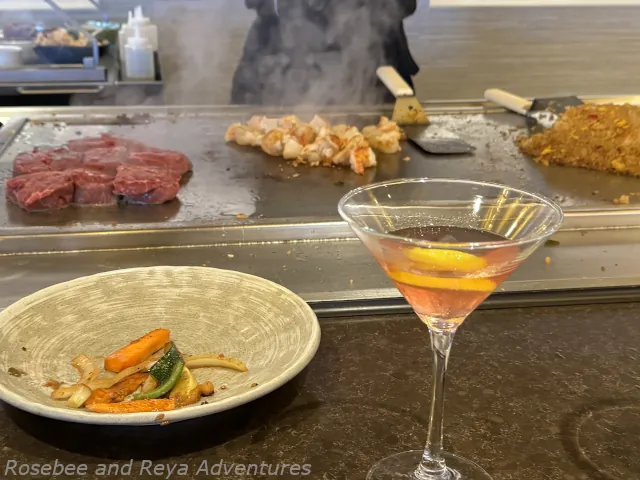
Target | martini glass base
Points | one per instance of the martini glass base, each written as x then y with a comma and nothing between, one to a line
402,466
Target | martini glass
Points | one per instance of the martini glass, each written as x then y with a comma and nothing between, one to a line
446,245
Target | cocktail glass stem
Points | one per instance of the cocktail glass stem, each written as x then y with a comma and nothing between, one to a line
432,466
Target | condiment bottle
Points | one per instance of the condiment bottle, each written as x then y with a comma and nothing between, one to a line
139,57
123,36
147,29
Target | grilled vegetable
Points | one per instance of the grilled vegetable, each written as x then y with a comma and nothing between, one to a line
85,366
166,386
215,360
194,395
137,351
119,391
88,372
166,371
136,406
149,384
63,393
163,368
109,382
79,397
187,391
184,385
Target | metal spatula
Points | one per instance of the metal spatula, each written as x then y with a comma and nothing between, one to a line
541,113
409,114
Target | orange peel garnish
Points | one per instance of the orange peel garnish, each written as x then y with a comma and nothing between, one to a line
445,283
438,260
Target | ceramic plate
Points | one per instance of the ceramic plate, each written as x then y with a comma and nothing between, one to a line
207,310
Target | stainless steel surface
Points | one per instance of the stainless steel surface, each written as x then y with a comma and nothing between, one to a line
58,91
46,74
10,56
77,80
331,270
230,180
251,232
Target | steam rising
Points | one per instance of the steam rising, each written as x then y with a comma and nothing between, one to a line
200,45
325,52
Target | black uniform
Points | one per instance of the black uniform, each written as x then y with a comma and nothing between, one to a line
322,52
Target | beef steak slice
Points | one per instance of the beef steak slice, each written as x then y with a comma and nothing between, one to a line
146,185
92,187
133,146
31,162
106,160
41,191
166,159
89,143
62,159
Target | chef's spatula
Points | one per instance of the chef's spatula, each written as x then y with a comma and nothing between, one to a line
541,113
409,114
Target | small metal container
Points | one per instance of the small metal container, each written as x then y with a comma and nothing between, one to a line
11,56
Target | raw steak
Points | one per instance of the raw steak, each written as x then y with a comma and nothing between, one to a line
133,146
146,185
31,162
89,143
41,191
92,187
52,160
166,159
64,159
106,160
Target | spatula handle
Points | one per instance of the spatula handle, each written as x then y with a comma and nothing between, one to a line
509,100
394,82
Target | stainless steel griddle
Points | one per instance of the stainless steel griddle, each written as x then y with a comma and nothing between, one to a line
229,180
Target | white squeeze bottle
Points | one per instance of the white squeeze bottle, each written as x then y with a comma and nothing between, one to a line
139,58
147,29
123,36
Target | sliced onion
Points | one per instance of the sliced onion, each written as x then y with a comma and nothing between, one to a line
110,382
80,396
149,384
88,370
215,360
63,393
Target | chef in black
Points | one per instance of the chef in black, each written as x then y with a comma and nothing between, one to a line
322,52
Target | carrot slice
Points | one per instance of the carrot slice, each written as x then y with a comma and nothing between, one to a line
135,406
137,351
119,391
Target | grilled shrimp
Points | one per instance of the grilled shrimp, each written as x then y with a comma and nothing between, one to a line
273,142
288,122
320,152
292,149
263,124
361,158
230,134
345,132
385,137
247,136
304,134
385,142
318,123
343,157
